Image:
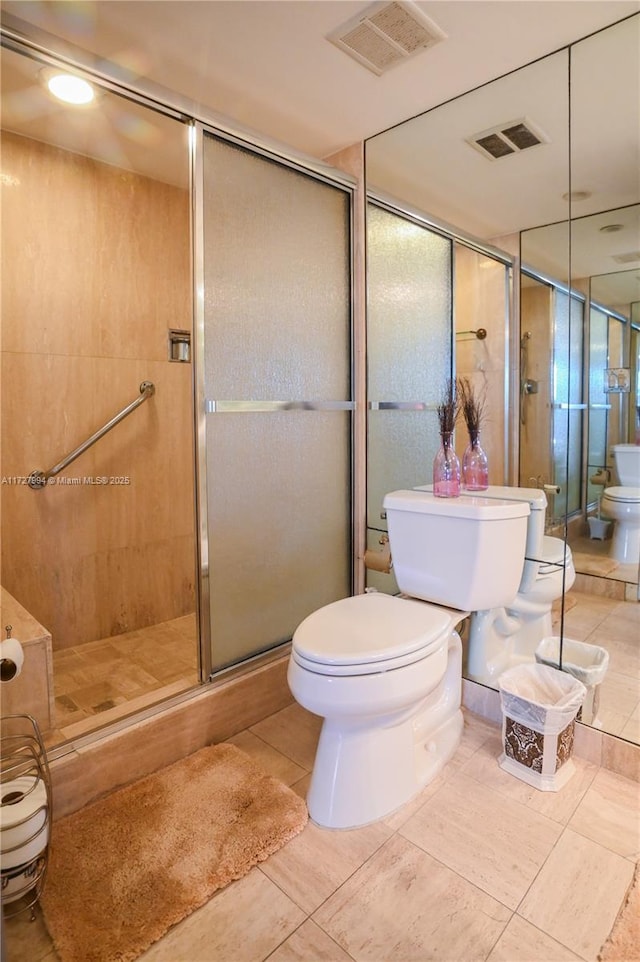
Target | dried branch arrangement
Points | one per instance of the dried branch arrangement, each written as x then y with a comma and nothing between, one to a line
472,407
448,409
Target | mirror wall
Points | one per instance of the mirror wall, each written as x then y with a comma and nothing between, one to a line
544,164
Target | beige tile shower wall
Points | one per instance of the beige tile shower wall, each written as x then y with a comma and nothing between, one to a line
480,302
96,269
535,443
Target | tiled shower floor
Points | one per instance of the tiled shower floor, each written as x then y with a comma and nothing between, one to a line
101,681
479,868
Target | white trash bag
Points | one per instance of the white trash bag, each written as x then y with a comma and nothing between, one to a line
588,663
541,697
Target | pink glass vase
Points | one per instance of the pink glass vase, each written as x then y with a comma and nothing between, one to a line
475,467
446,470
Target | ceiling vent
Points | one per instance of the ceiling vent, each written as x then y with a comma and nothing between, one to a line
386,35
510,138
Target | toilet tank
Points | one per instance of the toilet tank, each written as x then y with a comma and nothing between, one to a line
537,501
627,462
465,553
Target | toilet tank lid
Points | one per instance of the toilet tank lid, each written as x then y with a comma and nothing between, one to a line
536,497
466,506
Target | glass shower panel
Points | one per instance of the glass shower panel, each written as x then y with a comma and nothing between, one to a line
598,401
409,321
567,406
277,375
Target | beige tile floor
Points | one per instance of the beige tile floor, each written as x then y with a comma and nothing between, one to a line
480,866
614,625
591,557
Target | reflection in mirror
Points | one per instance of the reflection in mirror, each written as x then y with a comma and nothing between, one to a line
560,417
601,612
430,165
605,262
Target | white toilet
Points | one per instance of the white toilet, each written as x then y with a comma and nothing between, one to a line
384,671
622,504
502,637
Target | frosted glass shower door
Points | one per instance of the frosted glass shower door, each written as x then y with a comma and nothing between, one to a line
568,323
277,381
409,351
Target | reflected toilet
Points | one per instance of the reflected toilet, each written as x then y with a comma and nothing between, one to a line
501,637
385,672
621,503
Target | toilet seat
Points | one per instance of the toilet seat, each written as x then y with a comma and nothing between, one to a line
623,495
369,634
555,555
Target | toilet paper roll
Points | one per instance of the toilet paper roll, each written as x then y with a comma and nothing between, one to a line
379,560
18,881
24,823
11,659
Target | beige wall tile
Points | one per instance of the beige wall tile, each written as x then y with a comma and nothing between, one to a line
621,756
32,690
601,587
587,743
480,302
111,253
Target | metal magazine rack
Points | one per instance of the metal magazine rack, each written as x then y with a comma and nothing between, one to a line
25,813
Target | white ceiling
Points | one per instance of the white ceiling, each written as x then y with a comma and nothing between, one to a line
268,65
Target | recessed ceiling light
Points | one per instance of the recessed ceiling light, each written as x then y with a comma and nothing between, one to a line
70,89
577,195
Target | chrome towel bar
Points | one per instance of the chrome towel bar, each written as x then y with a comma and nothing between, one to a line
38,479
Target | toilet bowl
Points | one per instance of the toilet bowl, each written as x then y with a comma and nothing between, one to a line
384,672
621,503
504,636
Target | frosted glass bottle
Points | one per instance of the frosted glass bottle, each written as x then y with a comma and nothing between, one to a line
446,470
475,467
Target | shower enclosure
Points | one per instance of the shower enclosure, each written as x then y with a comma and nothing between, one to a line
551,392
198,530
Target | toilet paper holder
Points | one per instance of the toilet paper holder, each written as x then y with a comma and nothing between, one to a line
379,560
11,656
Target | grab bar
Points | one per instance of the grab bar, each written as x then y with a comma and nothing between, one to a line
481,333
38,479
